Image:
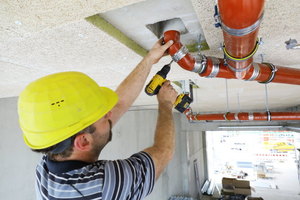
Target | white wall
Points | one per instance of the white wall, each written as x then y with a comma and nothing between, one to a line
133,133
196,151
17,161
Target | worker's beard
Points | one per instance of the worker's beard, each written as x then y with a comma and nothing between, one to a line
97,148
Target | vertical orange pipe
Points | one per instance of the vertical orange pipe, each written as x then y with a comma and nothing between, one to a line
240,14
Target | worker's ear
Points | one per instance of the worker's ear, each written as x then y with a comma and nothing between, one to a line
83,142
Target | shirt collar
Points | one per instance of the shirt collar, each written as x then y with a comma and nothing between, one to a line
58,167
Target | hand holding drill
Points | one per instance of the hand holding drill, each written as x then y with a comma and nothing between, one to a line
182,101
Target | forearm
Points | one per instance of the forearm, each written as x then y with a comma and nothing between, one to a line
131,87
164,141
164,135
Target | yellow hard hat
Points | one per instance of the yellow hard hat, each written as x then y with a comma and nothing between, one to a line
55,107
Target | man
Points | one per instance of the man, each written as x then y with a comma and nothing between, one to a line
69,118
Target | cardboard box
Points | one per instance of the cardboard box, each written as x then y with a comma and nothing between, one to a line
234,186
228,183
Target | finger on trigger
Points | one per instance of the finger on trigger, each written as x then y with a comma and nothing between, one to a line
168,83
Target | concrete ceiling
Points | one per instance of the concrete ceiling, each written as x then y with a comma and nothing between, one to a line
39,37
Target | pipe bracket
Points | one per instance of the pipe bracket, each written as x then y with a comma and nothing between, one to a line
269,116
236,116
272,75
188,113
255,73
225,116
244,31
180,54
228,56
250,116
215,68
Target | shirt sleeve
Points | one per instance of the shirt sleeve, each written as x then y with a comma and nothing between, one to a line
132,178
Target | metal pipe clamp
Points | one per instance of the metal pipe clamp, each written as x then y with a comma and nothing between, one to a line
215,68
180,54
255,73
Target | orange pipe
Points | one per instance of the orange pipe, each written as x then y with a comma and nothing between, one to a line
237,15
188,61
282,75
240,14
224,72
243,116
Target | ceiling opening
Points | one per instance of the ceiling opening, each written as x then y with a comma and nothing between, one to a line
160,27
138,23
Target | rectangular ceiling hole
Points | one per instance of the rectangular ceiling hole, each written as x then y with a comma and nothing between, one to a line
160,27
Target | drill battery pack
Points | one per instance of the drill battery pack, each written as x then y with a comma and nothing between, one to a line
182,102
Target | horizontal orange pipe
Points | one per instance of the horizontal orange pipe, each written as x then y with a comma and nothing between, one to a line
243,116
283,74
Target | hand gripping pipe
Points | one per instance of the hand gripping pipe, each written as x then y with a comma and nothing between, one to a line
211,67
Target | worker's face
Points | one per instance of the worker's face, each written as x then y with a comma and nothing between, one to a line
102,134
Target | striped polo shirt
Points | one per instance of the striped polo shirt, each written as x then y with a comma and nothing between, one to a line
132,178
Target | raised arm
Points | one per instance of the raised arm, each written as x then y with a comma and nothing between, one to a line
164,140
132,85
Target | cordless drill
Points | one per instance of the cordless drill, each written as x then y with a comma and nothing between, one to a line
182,102
158,79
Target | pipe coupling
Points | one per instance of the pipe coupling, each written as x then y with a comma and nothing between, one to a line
238,70
244,31
180,54
215,67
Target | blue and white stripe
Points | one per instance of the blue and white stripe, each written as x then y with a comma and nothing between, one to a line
132,178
